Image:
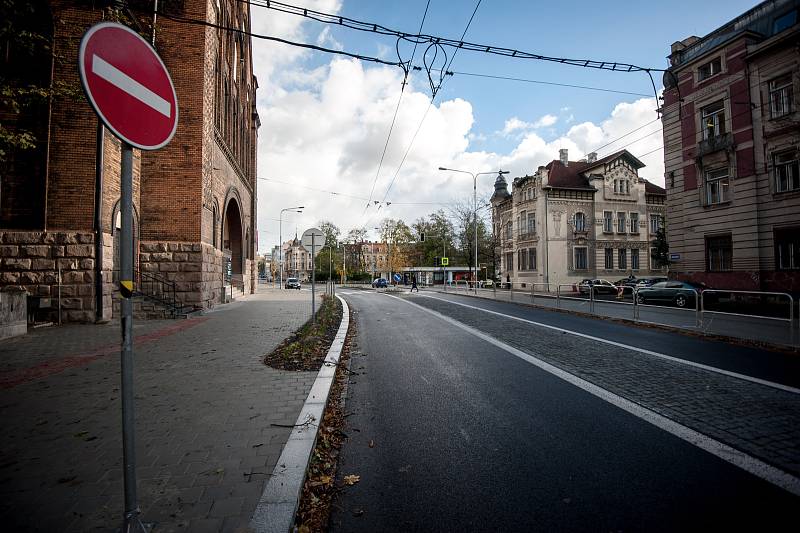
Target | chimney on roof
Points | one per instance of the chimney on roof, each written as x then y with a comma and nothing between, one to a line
591,157
563,156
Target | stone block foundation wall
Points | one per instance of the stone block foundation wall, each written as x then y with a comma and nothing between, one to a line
31,260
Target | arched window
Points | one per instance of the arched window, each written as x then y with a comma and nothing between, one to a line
580,221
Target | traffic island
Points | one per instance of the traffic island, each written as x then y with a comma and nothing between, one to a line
306,348
278,505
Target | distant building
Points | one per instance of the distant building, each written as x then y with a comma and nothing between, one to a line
731,138
296,261
375,258
571,220
194,200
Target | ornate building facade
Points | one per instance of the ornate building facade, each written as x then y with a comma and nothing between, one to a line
194,200
572,220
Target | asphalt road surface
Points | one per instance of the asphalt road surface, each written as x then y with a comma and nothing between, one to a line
449,431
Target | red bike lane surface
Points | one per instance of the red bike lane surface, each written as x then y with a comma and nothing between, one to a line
19,376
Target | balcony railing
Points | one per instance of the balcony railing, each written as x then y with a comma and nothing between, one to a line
715,144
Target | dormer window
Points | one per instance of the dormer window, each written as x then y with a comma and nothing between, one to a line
712,68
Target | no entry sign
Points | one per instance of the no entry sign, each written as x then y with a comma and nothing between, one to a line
128,85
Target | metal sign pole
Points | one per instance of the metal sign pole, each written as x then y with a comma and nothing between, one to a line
126,289
313,303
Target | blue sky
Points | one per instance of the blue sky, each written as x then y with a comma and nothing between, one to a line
325,119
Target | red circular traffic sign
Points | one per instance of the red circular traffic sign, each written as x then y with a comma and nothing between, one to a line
128,85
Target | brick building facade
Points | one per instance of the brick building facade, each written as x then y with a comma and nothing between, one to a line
731,149
194,200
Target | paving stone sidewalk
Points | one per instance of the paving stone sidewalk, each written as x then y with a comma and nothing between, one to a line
206,409
762,421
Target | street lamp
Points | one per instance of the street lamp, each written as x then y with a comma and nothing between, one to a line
475,210
296,209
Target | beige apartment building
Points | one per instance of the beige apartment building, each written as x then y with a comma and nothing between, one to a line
571,220
296,261
731,137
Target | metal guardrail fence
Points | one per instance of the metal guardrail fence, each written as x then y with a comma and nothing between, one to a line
697,304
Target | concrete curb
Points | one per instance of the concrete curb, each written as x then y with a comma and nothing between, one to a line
278,504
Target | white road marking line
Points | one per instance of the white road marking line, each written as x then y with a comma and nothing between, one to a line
727,453
116,77
779,386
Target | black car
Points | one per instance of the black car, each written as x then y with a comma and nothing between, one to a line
380,282
678,293
600,286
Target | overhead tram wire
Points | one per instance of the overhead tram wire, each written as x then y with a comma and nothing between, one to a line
327,18
396,109
541,82
346,195
433,96
198,22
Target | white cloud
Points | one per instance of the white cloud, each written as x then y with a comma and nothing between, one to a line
545,121
325,127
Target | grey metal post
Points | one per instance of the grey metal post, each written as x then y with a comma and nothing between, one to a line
475,221
313,279
591,299
126,289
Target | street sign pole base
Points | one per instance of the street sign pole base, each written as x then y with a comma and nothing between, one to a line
134,524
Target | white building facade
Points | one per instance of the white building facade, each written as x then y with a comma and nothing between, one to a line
572,220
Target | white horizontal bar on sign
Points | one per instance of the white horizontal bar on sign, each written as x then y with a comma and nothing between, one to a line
122,81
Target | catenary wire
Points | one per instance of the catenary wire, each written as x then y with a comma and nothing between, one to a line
396,109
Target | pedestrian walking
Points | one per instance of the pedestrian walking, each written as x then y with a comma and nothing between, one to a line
414,284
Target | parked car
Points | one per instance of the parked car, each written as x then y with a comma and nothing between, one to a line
627,282
292,283
600,286
380,282
649,282
678,293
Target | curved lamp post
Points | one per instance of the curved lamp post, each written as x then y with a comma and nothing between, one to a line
475,210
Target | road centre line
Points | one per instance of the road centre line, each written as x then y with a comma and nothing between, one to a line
727,453
772,384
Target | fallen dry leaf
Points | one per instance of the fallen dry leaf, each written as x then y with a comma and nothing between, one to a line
371,443
352,479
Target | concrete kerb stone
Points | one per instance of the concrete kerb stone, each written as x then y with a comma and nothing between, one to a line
278,504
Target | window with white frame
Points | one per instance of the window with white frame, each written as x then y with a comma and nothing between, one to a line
713,119
620,222
580,262
780,96
627,187
532,223
531,258
509,262
622,259
609,259
787,176
634,222
717,186
635,259
522,219
509,231
655,224
709,69
530,193
608,222
580,221
616,186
